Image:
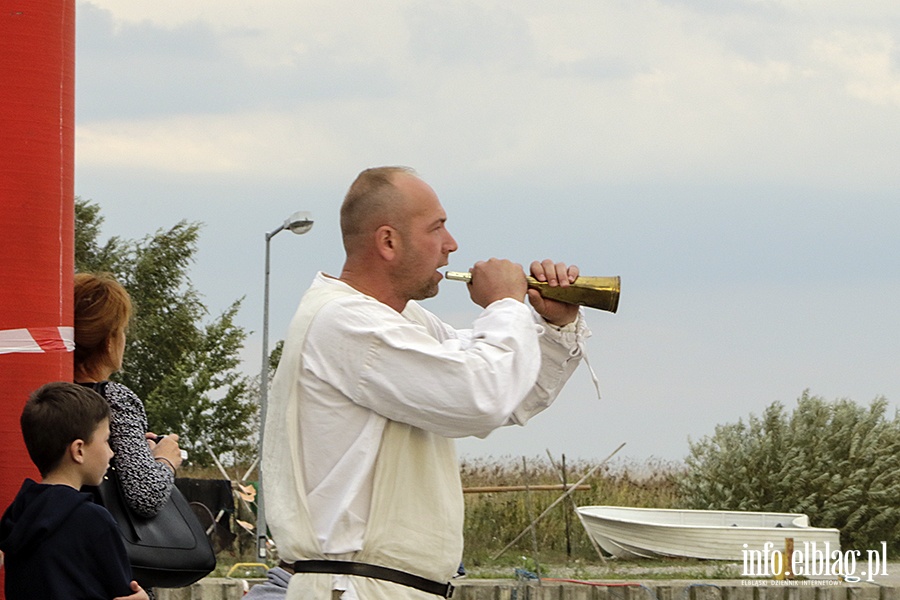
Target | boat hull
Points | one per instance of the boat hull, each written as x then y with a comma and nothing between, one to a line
714,535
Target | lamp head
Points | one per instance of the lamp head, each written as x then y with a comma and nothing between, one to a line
299,222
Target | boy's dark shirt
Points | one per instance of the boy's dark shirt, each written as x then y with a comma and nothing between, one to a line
58,544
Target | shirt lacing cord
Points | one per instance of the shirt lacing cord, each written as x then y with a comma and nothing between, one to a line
577,328
593,375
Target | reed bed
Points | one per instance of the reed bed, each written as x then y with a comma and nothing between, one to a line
494,519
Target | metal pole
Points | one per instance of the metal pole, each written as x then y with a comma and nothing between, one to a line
263,401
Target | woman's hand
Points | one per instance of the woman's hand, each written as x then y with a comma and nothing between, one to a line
165,448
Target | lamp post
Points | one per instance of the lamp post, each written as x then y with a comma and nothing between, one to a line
299,223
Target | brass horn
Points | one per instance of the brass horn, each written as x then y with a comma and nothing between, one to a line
594,292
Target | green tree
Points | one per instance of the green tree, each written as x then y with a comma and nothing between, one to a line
838,462
183,365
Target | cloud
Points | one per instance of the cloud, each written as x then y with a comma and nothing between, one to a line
451,33
238,145
867,62
136,69
616,92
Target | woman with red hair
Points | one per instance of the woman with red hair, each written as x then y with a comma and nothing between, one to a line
145,463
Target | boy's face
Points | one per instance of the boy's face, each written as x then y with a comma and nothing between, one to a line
97,454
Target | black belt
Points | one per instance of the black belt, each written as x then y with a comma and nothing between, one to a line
343,567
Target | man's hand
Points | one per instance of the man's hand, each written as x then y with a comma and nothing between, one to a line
555,274
496,279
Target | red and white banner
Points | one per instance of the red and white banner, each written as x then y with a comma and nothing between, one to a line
37,339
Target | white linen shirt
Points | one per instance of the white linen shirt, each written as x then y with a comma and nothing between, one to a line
365,363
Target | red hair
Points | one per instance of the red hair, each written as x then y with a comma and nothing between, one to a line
102,311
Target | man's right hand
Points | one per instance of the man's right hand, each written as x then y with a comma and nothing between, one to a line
496,279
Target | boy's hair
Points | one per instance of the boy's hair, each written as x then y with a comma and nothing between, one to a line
56,415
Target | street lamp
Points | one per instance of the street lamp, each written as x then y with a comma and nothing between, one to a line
299,223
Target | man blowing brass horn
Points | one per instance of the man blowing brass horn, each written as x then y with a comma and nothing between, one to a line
360,478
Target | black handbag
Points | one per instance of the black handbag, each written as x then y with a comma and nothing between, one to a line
168,550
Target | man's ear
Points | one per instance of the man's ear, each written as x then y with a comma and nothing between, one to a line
76,451
387,242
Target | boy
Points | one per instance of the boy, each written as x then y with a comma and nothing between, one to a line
58,544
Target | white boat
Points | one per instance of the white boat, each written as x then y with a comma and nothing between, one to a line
626,532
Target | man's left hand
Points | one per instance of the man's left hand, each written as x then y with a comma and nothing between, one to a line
555,274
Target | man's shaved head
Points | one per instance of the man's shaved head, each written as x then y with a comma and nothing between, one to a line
373,200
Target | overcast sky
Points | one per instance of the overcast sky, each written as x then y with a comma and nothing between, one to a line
734,161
